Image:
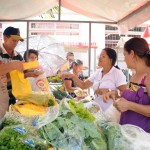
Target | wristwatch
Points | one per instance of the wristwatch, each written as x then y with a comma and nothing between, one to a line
109,90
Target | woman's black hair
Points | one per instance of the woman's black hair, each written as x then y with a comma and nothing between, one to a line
111,54
28,52
140,48
116,66
76,63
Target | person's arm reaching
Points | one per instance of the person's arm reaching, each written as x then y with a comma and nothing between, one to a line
68,86
14,65
114,94
82,84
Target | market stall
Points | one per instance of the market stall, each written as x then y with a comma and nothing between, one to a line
39,122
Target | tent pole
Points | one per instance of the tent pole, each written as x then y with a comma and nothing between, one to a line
89,53
95,59
59,11
27,40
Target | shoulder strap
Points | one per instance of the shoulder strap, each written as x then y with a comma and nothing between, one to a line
143,79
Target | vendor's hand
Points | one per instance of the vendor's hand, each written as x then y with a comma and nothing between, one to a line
109,95
69,76
31,74
101,91
121,104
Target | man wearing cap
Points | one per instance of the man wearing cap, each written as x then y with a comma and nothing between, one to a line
11,36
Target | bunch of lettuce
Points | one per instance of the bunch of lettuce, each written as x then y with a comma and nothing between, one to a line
21,137
14,118
114,136
74,128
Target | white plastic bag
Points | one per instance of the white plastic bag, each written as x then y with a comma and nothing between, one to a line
136,137
113,114
39,83
104,106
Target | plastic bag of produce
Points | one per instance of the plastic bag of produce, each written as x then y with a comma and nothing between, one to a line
29,109
91,105
125,137
20,85
113,114
51,114
74,128
22,137
15,118
136,137
38,98
22,90
60,93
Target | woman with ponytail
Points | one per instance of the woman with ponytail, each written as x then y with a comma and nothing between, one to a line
134,103
76,69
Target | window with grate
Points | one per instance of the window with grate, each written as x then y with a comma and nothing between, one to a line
34,33
33,25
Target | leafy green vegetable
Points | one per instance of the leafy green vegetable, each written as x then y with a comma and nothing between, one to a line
59,93
115,137
21,137
80,111
9,122
10,140
74,128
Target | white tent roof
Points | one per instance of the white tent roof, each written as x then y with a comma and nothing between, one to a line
125,13
22,9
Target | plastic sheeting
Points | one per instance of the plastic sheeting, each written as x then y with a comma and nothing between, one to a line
127,14
20,9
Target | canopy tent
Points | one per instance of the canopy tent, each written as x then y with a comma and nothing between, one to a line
126,14
23,9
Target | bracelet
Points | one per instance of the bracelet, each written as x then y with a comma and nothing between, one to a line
118,93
